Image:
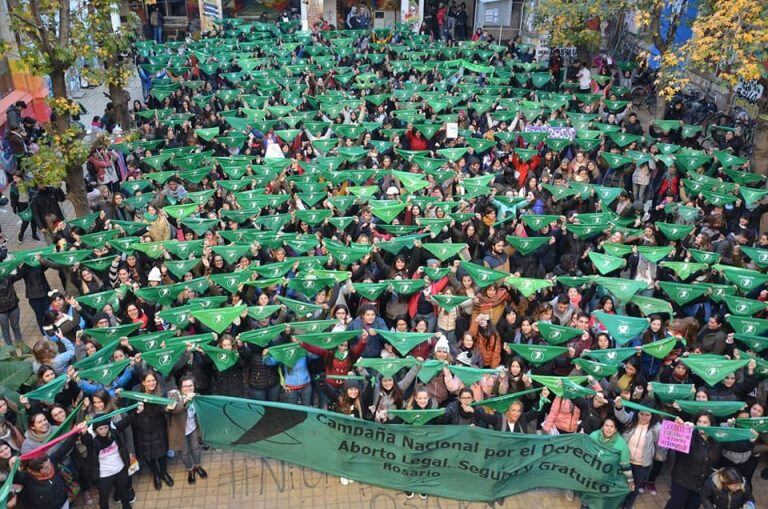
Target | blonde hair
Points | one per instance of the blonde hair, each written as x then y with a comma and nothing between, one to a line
44,351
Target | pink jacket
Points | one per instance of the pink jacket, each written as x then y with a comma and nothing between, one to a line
563,415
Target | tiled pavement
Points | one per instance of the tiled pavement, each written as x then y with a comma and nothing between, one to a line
242,481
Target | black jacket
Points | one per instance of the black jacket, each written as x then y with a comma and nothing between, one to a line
34,281
96,444
50,494
8,298
716,496
46,201
691,470
258,374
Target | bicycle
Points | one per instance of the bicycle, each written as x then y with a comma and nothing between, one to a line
644,93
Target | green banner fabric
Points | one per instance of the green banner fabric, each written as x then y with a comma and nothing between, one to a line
439,460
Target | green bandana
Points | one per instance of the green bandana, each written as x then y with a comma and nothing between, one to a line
482,276
230,281
328,340
449,302
147,398
681,294
222,359
537,354
165,359
668,393
684,270
468,375
387,367
263,335
386,210
404,342
105,373
218,319
107,334
500,404
528,286
755,343
370,291
444,251
288,354
596,369
716,408
97,301
538,222
527,245
759,424
151,341
557,334
417,417
649,305
726,435
606,263
48,392
181,267
612,356
713,370
299,308
674,231
660,349
623,289
622,328
642,408
557,384
347,255
743,307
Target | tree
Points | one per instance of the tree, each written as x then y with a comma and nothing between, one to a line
112,47
729,41
52,40
572,23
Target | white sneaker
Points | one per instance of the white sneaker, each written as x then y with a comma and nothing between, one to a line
344,481
409,495
423,496
569,495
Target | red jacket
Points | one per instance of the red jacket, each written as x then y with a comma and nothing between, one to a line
670,185
334,366
524,168
413,301
415,143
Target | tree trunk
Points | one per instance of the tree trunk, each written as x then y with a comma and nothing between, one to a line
120,98
661,105
76,190
74,179
59,86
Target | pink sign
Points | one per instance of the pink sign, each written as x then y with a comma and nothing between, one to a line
675,436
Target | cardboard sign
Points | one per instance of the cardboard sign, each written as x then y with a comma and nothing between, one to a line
675,436
451,130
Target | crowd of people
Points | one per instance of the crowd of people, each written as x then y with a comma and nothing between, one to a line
380,223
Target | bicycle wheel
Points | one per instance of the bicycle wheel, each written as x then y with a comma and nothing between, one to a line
638,96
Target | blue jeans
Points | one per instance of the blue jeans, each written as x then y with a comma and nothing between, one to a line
157,33
39,306
268,394
10,322
301,396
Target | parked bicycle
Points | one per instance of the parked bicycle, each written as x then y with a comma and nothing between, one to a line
644,95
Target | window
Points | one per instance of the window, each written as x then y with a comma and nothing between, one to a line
6,80
174,7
